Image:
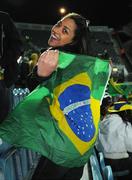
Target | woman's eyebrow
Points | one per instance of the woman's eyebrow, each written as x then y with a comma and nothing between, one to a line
66,27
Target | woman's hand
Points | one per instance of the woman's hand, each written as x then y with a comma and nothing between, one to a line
47,62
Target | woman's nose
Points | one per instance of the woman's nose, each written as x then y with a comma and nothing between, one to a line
56,29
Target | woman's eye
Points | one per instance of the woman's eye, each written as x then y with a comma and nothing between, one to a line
65,31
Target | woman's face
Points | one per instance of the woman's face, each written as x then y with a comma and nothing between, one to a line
62,33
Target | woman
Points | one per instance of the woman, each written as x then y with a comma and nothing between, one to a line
70,34
115,137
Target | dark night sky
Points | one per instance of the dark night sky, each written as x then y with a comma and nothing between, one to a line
113,13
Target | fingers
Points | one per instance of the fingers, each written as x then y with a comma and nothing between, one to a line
48,55
48,62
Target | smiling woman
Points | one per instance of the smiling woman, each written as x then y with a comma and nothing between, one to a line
62,33
71,31
70,34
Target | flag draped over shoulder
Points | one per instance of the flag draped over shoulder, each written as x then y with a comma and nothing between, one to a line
60,118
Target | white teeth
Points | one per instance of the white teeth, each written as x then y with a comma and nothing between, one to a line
53,36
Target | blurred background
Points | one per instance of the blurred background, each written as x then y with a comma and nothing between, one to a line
110,26
111,13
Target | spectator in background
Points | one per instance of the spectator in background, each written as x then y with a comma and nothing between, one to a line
115,137
26,66
106,102
33,61
11,47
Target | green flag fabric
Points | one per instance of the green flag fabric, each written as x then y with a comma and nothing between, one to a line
60,118
124,88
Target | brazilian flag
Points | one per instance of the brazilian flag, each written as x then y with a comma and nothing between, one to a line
124,88
60,118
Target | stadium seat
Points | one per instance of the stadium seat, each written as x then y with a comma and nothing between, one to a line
96,173
107,173
115,173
